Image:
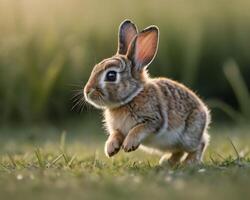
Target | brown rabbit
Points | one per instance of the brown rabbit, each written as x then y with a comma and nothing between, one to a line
157,114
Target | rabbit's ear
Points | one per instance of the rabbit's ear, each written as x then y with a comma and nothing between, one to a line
127,31
143,48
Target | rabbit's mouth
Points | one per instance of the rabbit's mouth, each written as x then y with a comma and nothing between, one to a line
95,97
97,100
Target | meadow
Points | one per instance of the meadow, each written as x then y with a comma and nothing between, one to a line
52,148
49,163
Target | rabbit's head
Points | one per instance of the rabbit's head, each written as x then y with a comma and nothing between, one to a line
117,80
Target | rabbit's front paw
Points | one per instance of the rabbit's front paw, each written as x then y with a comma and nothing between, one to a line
112,146
130,143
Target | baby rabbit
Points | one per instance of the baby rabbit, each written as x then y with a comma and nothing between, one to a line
157,114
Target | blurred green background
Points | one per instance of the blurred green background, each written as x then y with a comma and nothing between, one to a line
48,49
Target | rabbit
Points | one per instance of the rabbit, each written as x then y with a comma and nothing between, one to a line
156,114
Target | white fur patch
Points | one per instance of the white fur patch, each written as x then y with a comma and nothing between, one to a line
122,122
165,140
128,99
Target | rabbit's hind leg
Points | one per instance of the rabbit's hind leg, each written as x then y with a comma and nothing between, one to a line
195,138
195,157
174,159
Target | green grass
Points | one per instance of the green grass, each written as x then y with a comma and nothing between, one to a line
241,92
45,163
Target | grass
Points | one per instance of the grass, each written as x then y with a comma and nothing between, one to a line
240,89
45,163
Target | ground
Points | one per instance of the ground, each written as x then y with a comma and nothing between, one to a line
44,162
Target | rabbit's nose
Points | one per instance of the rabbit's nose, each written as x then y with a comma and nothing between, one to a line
92,90
89,91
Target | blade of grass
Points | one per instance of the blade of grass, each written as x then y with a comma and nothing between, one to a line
54,161
219,155
62,141
235,150
66,159
71,160
238,85
39,158
49,80
212,159
12,160
95,159
229,110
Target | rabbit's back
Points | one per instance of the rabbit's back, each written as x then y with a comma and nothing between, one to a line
179,101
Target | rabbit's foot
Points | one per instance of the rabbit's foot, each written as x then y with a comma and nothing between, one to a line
174,159
130,143
113,145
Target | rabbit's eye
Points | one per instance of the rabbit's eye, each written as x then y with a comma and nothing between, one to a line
111,76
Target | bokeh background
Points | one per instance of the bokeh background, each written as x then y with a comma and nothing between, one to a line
48,48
